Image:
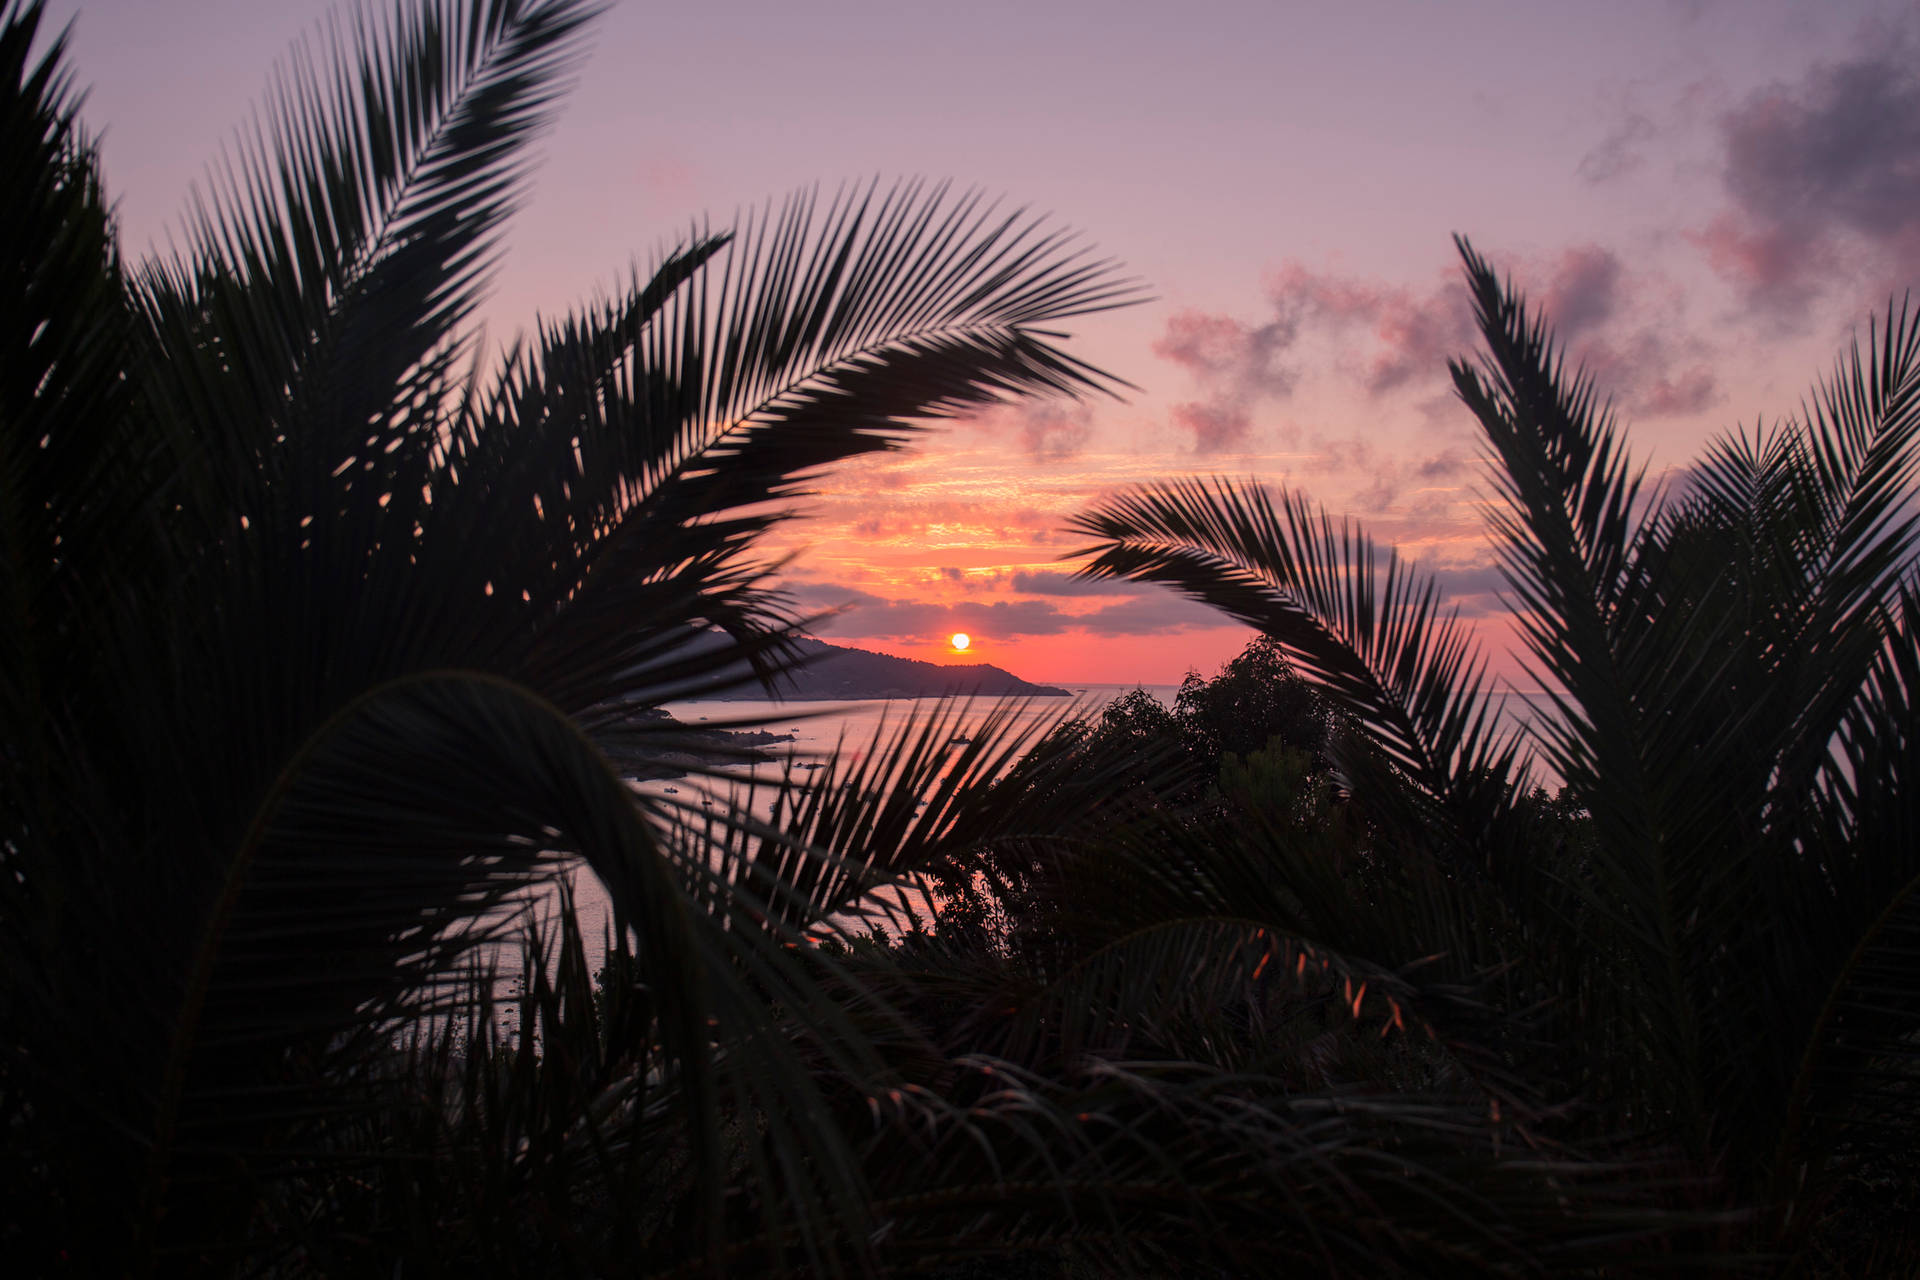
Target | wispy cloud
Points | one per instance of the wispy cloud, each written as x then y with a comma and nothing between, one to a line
1238,365
1049,582
1048,430
1583,289
1621,152
1384,339
1132,610
1400,336
1822,178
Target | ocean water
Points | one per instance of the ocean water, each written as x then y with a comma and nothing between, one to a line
851,729
819,730
822,727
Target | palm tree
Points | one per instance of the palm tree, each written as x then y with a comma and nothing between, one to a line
1710,946
326,632
324,627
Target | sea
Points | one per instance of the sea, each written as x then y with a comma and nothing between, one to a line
818,730
852,730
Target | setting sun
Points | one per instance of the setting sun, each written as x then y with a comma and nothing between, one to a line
961,640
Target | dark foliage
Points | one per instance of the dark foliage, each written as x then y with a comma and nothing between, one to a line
1699,957
326,635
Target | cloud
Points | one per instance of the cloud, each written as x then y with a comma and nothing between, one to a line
1823,179
861,612
1686,391
1155,613
1216,425
1048,429
1047,582
883,513
1846,149
1474,590
1583,289
668,175
1618,327
1055,428
1141,609
1237,364
1415,333
1389,339
1380,478
815,597
1777,269
1223,349
1619,153
901,619
1651,372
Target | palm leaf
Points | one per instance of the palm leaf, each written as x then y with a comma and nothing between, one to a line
1370,633
879,819
388,667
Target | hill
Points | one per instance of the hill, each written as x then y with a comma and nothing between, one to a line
834,673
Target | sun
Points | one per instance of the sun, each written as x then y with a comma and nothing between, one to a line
960,641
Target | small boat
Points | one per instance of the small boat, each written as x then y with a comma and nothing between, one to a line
673,791
959,742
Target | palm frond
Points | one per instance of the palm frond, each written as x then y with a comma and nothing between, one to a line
75,480
1852,1098
879,819
1371,633
1657,730
400,597
1135,1167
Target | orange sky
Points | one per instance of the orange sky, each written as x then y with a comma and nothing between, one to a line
962,533
1708,196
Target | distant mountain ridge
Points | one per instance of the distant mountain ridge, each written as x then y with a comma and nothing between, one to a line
836,673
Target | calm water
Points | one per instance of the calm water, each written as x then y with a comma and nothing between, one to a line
821,728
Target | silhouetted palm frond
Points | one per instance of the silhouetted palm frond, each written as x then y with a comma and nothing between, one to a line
331,629
1367,628
1714,947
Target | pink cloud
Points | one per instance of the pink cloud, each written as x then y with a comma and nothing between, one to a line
1047,430
1774,267
1215,425
1621,152
1418,335
1822,178
1415,332
1215,346
1389,339
1583,289
1687,391
1237,364
1650,371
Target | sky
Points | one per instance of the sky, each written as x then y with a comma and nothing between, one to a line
1709,197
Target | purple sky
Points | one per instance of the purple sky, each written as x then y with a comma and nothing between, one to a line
1707,194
